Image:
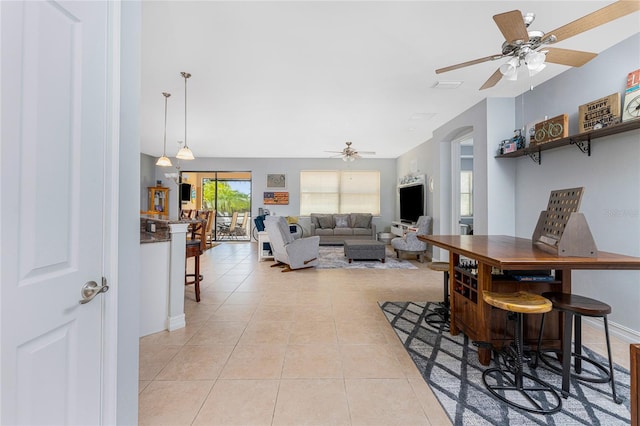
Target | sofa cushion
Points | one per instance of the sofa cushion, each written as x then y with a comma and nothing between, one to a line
342,220
314,220
324,232
361,220
343,231
326,221
361,231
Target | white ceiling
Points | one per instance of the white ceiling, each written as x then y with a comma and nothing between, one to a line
298,78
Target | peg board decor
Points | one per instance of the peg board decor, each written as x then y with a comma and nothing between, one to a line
550,130
562,203
276,198
600,113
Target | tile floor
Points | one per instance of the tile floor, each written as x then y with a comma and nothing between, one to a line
305,347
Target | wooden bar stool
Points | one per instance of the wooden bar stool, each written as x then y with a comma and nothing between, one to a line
512,385
574,307
194,249
441,314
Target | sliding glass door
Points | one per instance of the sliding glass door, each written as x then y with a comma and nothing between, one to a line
229,195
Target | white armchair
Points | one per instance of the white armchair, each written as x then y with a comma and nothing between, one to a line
294,253
410,242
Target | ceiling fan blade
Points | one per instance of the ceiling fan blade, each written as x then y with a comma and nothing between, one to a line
466,64
366,152
594,19
573,58
511,25
493,80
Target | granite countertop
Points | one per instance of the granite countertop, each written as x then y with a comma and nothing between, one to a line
166,219
153,237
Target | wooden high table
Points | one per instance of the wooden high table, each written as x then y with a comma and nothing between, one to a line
494,255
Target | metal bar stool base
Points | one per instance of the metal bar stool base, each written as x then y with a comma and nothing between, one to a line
535,397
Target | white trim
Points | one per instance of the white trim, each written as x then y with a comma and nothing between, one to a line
176,322
619,331
111,225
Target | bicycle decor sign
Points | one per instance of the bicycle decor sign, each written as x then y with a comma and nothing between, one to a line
550,130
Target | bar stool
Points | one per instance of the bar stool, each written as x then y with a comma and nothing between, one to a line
441,314
194,249
513,386
574,307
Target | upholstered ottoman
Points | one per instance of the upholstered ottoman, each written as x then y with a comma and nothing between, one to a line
364,250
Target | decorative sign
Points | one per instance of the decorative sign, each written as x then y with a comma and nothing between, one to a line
550,130
631,107
281,198
276,181
600,113
633,79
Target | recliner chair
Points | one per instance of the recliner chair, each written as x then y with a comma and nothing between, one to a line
410,242
287,250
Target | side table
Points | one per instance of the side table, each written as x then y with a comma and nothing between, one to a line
263,254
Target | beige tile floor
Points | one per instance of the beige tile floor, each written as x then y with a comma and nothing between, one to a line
305,347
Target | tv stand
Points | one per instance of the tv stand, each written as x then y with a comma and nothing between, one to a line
400,228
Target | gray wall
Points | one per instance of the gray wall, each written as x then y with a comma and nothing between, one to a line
610,176
259,167
510,193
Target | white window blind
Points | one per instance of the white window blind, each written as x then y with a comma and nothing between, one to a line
337,191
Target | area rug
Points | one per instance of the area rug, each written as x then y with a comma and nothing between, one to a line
332,257
450,366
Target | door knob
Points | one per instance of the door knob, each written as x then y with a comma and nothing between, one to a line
91,289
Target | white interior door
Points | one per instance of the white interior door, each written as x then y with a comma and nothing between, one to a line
54,75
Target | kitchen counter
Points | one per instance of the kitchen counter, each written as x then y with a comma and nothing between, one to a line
162,266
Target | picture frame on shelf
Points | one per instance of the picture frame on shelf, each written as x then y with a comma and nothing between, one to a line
276,181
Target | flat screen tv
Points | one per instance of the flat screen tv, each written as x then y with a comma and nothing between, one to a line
185,192
411,202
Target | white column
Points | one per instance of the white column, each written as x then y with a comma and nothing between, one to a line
175,317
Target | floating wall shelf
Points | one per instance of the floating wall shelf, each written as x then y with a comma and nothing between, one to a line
582,141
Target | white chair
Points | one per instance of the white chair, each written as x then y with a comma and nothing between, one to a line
287,250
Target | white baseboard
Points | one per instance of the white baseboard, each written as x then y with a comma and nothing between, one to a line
174,323
619,331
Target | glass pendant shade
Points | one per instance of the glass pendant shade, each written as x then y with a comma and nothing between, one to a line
164,160
185,154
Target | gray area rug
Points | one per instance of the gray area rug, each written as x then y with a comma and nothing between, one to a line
332,257
450,366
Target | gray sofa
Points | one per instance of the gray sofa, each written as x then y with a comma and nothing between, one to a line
335,228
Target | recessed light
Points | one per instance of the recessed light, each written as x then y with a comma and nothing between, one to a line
447,84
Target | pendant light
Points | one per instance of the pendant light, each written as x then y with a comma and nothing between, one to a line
185,153
164,160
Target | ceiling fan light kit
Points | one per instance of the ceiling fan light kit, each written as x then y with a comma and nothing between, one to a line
349,154
523,45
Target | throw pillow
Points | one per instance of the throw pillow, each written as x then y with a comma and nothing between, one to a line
342,221
326,221
362,220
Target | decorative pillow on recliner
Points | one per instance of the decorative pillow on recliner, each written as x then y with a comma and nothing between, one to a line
342,221
361,220
325,221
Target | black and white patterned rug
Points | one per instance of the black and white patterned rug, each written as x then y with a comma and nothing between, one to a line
450,366
332,257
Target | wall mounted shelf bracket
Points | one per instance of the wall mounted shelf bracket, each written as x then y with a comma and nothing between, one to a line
535,156
584,146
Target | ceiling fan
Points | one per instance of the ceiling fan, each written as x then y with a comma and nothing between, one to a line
529,47
350,154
